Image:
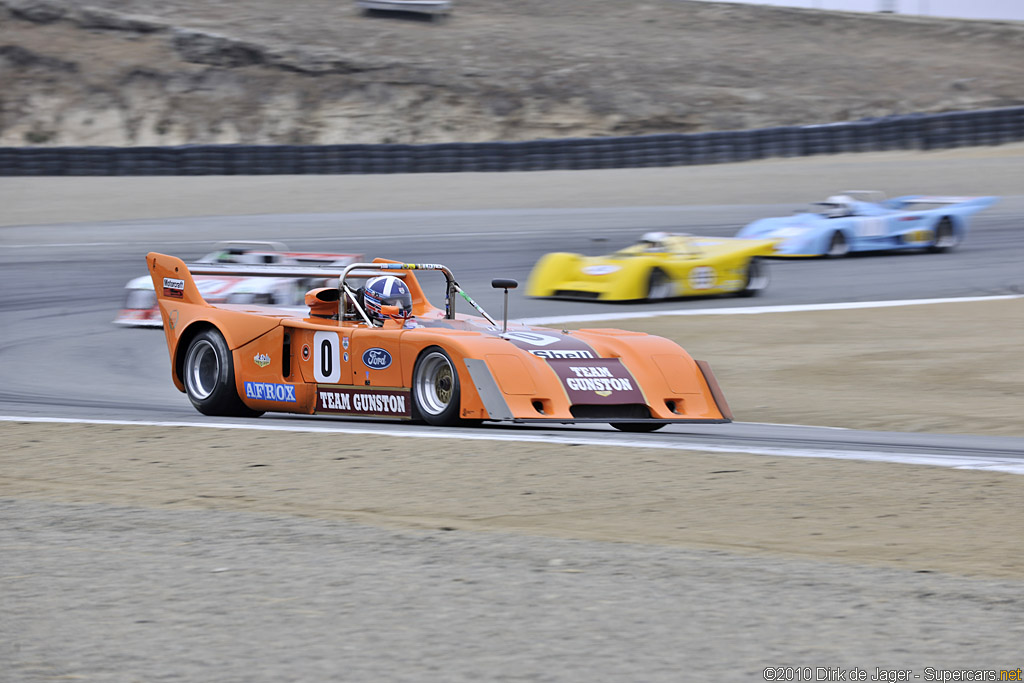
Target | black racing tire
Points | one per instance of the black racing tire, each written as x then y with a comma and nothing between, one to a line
209,376
436,391
659,285
757,278
945,237
838,246
638,426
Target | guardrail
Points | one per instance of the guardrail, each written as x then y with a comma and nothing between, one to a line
915,131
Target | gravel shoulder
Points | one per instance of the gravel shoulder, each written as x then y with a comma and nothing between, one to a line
918,519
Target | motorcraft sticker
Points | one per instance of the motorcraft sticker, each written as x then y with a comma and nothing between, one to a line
597,381
367,402
261,359
270,391
174,288
376,359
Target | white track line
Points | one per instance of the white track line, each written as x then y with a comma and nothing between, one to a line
755,310
957,462
1008,465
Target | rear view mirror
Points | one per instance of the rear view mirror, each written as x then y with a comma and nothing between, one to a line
506,284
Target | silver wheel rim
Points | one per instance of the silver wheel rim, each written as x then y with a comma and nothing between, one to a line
946,237
660,289
838,246
757,277
202,368
435,383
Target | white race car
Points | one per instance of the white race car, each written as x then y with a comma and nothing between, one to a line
140,308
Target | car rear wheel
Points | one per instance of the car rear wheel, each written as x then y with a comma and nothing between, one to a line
945,237
209,377
838,246
435,388
757,278
638,426
659,285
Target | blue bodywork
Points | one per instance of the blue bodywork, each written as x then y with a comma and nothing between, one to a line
909,222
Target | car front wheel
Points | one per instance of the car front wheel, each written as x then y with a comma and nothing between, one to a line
757,278
945,237
435,388
838,246
659,285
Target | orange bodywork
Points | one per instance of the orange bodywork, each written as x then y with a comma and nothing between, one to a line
307,365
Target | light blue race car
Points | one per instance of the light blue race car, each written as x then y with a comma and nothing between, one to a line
864,220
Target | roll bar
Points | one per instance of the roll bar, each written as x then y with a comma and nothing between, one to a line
451,287
352,270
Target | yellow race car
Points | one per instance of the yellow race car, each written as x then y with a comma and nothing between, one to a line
660,266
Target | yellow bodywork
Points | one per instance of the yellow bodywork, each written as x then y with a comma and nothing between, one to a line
665,266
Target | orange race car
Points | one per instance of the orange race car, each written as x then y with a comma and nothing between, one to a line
373,346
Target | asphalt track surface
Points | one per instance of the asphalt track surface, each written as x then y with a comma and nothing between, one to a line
64,283
107,593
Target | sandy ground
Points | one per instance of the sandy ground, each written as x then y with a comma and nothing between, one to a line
840,368
923,519
905,369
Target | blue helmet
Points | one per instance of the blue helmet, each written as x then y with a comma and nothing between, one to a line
386,290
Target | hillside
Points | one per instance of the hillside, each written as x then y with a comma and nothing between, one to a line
141,72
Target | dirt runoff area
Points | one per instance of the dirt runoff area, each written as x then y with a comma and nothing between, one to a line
911,368
948,368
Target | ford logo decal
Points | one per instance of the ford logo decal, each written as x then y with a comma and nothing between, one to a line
376,359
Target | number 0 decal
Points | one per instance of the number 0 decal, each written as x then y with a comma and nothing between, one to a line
871,227
532,338
326,364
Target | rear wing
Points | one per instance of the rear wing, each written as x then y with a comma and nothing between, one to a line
259,252
976,203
